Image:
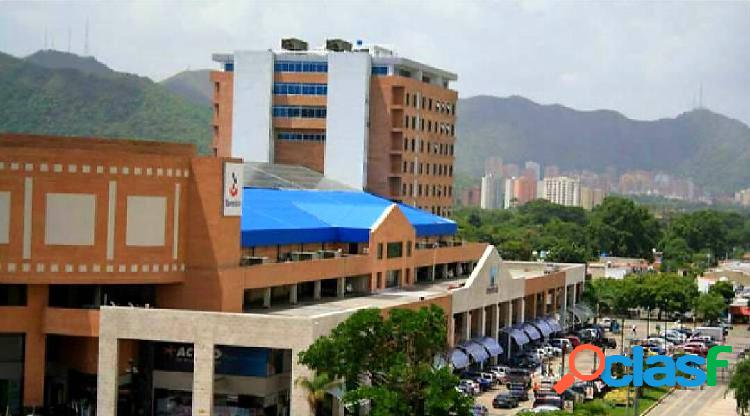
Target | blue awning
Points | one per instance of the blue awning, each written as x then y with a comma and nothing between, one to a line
554,324
491,345
475,350
293,216
531,331
519,336
543,327
459,360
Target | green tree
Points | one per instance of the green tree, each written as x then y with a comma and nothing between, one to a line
676,254
317,387
621,228
710,306
390,361
739,384
723,288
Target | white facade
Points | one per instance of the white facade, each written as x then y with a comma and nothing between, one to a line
563,190
347,118
492,192
252,138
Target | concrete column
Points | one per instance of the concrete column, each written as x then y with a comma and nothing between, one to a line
106,381
340,286
495,329
203,378
523,309
267,297
316,290
459,269
298,396
34,347
467,325
482,321
564,315
444,268
509,317
293,294
574,295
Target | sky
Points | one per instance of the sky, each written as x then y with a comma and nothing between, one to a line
647,60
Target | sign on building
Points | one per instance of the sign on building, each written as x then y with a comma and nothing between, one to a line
232,189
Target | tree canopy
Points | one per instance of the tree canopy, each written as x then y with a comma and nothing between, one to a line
740,385
391,361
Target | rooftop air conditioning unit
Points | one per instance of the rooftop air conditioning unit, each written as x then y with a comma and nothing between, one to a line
293,44
338,45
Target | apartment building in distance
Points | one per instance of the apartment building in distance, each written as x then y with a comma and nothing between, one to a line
492,192
563,190
359,114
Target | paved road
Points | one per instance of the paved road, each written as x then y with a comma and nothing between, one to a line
710,401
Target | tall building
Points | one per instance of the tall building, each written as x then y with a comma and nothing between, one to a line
534,167
471,197
359,114
563,190
519,191
591,197
511,170
492,192
493,166
551,170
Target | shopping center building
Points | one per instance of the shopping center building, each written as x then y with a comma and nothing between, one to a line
140,276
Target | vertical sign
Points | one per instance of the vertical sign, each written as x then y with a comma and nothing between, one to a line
232,189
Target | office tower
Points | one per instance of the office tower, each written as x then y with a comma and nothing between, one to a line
359,114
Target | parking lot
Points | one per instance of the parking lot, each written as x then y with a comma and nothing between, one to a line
585,361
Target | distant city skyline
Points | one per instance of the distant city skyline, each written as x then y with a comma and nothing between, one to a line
647,60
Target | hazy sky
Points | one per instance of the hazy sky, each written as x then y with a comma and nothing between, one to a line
645,59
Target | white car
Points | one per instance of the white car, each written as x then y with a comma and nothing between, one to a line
499,374
470,386
553,351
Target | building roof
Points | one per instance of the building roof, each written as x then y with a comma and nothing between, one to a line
275,175
291,216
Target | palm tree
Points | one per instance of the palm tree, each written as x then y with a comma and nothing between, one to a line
317,387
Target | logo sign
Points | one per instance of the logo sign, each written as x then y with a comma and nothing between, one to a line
232,199
659,370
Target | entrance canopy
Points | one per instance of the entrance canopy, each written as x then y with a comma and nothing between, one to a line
459,359
533,333
491,345
517,334
475,350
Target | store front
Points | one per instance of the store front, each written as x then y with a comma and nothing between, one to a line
249,381
11,373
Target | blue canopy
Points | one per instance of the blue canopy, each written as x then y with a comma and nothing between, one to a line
294,216
491,345
553,324
475,350
543,327
459,359
519,336
531,331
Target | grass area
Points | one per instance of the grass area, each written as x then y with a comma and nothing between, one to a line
649,397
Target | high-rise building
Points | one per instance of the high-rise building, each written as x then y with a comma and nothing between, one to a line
535,168
493,166
519,191
591,197
551,170
563,190
492,192
361,115
471,197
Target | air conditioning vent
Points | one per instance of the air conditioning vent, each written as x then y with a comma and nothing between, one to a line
293,44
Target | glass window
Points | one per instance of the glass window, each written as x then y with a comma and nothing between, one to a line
380,251
12,295
408,249
299,111
298,66
395,250
392,278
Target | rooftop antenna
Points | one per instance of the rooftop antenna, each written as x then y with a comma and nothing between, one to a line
45,38
700,96
86,39
70,35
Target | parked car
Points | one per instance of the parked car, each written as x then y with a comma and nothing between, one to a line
554,401
695,348
504,401
610,343
518,392
605,322
519,376
479,410
574,340
562,343
553,351
469,386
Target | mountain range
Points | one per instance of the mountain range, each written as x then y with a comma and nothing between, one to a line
710,148
52,92
58,93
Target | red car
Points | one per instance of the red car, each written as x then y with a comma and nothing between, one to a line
574,341
695,348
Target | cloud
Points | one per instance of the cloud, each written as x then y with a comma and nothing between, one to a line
645,59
